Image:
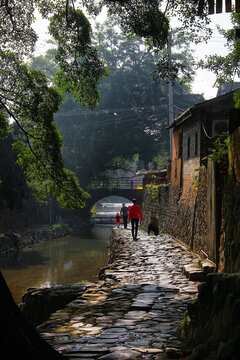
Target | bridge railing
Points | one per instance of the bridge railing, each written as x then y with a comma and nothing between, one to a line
113,184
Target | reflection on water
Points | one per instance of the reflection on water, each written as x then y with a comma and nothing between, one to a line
59,261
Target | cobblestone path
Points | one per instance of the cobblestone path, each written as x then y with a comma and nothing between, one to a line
135,311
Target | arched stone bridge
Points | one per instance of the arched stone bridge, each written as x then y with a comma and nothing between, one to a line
129,189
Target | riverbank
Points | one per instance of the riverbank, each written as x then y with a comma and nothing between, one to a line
15,241
136,308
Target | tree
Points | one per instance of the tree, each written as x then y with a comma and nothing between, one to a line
149,19
227,67
132,112
12,181
27,97
30,100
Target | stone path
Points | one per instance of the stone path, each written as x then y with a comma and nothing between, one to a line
134,312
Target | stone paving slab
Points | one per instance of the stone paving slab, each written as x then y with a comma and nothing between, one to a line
134,312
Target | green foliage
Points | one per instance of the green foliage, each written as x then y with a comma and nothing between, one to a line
3,126
226,67
220,148
236,98
196,178
80,68
28,97
142,18
93,212
178,68
132,114
154,190
150,18
62,225
13,188
160,161
45,63
119,163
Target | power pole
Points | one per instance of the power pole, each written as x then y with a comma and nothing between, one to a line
170,95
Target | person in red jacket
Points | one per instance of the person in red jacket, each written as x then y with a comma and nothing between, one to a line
118,219
134,214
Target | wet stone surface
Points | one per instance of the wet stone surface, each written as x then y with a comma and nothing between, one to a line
134,312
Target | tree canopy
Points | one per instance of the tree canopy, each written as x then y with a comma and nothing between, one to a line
132,113
29,99
227,67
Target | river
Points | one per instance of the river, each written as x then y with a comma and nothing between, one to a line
63,261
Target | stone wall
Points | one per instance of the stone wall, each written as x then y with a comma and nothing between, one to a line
230,237
232,227
39,303
212,325
200,223
181,212
14,242
174,216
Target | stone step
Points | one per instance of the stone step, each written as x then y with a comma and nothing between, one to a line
198,269
193,272
207,266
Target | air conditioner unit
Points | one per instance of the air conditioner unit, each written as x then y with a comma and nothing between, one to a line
220,127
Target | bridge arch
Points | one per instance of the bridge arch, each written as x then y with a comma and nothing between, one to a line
107,207
99,194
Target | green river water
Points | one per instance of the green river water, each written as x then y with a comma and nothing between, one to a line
63,261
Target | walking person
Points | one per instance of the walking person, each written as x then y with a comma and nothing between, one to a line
118,219
124,213
153,226
134,214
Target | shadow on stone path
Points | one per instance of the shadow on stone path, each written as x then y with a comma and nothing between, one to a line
134,312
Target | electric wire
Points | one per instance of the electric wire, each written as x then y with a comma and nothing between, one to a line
118,120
